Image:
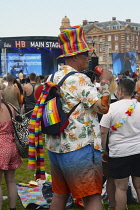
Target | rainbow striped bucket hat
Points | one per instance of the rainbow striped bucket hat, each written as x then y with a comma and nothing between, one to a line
72,41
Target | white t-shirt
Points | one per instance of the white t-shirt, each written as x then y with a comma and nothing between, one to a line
125,141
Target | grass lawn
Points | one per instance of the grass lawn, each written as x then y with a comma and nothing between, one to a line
23,174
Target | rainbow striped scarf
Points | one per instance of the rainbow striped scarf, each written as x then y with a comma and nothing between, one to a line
36,152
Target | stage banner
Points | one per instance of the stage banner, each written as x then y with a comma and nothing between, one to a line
29,44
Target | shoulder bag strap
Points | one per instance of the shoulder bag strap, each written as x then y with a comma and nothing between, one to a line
18,111
13,107
10,112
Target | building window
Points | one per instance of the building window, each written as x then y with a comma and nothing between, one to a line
101,48
128,46
114,27
137,47
95,38
100,58
116,47
109,38
110,57
136,38
127,37
109,47
132,37
100,39
116,37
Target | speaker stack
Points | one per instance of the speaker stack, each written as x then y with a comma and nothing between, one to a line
93,63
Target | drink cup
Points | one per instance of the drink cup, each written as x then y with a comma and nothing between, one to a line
98,70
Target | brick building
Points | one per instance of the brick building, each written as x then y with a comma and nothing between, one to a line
112,37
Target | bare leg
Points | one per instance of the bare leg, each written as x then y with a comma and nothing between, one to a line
0,189
93,202
11,187
136,183
110,189
59,201
121,195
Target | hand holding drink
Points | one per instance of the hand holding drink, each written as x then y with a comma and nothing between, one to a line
104,74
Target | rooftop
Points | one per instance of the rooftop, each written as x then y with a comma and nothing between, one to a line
112,25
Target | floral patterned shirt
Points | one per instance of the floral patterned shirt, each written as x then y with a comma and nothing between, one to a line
82,122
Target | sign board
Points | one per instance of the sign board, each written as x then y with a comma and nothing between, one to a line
29,44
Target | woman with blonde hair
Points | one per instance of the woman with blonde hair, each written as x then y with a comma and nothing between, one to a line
113,89
9,156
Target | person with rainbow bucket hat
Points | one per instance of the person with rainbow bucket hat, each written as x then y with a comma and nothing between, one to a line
75,164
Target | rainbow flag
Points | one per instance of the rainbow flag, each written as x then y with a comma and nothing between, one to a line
50,113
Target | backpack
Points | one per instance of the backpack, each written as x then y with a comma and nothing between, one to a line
54,119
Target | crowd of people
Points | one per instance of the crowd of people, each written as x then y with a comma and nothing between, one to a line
78,162
20,92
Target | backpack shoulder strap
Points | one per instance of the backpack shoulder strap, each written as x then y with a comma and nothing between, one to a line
73,109
65,77
52,76
61,82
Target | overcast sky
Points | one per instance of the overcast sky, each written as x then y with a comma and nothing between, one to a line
43,17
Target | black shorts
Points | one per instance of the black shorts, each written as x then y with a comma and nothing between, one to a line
105,170
123,167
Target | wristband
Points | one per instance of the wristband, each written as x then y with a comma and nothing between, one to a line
104,81
103,151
